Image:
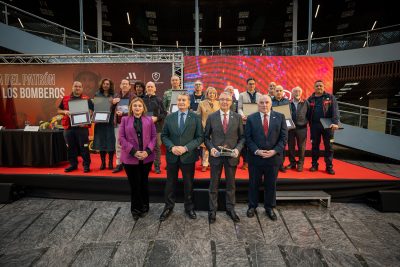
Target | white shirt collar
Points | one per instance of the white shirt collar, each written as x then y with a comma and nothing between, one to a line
222,113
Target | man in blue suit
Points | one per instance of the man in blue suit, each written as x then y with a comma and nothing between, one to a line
181,135
266,137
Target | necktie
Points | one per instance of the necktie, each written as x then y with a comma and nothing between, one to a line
225,123
181,123
266,126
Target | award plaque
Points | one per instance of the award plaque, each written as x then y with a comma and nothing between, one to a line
123,106
226,152
285,110
249,108
173,108
326,122
102,107
79,112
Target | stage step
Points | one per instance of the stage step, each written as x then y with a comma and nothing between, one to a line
322,196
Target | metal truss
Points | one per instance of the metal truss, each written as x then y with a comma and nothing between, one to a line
175,58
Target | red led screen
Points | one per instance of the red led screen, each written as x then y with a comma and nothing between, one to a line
220,71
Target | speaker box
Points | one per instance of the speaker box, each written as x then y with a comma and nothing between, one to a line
388,201
201,198
10,192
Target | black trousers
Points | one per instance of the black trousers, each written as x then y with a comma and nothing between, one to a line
257,173
317,130
77,140
216,171
299,136
138,176
172,183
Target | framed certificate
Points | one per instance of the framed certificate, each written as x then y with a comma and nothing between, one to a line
249,108
173,108
81,118
102,107
285,110
79,112
101,117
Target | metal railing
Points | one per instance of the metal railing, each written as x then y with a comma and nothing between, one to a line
54,32
70,38
361,116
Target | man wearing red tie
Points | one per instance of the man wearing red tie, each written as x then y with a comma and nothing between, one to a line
266,137
224,128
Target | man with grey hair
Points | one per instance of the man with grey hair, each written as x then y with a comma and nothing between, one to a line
298,108
229,89
224,128
266,134
271,89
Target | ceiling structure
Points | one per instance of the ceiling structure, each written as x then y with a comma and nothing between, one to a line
232,22
164,22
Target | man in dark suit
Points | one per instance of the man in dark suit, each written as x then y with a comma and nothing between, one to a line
181,135
266,136
224,128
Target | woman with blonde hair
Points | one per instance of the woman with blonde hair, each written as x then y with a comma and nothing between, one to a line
137,135
209,105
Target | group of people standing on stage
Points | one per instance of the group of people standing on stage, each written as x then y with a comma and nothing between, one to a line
207,124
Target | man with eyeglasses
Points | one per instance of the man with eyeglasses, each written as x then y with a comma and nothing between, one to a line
176,85
250,96
224,128
197,95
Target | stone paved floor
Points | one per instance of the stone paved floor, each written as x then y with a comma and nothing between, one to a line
57,232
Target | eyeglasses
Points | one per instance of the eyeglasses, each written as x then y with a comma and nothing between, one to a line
197,84
225,99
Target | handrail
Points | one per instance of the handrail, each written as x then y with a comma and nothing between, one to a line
130,46
367,115
364,107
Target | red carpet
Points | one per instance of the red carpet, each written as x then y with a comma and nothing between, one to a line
343,171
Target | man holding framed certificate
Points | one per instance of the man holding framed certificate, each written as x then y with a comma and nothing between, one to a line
76,121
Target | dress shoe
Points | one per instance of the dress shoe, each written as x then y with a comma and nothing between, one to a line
212,216
330,171
165,214
135,214
86,169
251,212
314,168
204,168
157,170
233,215
192,215
291,166
271,214
282,169
118,168
245,166
102,166
70,168
299,168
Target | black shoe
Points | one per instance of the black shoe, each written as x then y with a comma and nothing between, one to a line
233,215
251,212
299,168
102,166
291,166
70,168
314,168
212,216
330,171
165,214
118,168
282,169
135,214
86,169
192,215
110,164
271,214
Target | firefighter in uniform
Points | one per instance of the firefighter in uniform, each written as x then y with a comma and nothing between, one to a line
76,138
322,105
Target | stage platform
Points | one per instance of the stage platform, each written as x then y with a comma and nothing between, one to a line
351,182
